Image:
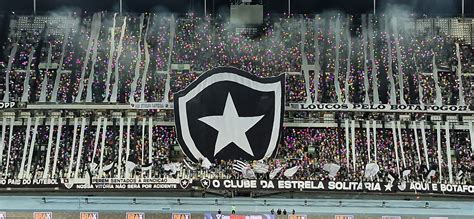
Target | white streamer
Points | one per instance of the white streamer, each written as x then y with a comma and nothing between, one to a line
73,147
438,100
459,74
111,59
133,86
171,44
10,139
399,61
366,70
147,63
54,93
336,68
113,97
150,144
90,82
440,159
2,139
44,85
26,82
56,149
96,140
120,158
32,147
448,153
415,130
25,148
94,32
102,148
394,133
354,157
375,86
317,65
400,138
393,95
374,130
367,133
50,145
425,147
348,63
81,145
6,94
471,132
346,125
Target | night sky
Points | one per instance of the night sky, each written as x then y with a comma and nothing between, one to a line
429,7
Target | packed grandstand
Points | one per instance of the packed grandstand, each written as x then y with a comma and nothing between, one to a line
77,88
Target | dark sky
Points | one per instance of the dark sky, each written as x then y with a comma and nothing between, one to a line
430,7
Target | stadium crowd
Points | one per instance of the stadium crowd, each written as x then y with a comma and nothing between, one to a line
133,63
308,148
142,48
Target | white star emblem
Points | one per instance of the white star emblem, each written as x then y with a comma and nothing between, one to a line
231,127
388,187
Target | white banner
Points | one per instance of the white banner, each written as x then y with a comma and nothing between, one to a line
152,105
391,108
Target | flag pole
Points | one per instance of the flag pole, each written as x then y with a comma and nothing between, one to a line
374,6
289,7
120,7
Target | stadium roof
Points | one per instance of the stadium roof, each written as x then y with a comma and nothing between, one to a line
429,7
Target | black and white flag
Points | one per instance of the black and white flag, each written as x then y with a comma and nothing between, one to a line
371,170
229,114
332,169
245,169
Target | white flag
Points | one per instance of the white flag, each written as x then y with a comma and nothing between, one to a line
291,171
188,165
248,173
147,167
172,167
260,167
108,167
206,164
460,175
94,168
332,168
371,169
274,172
406,173
239,166
245,169
130,166
431,174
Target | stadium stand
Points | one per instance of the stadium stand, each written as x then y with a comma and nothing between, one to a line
106,60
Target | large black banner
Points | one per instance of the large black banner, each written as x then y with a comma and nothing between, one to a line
117,184
345,186
120,184
298,185
29,183
229,114
99,184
